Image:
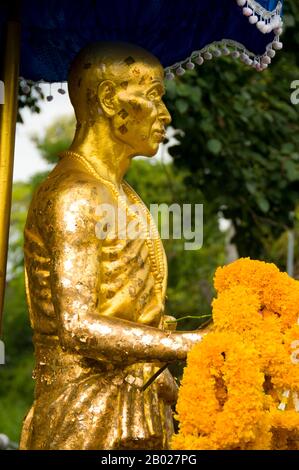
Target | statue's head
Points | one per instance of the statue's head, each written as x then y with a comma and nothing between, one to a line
123,85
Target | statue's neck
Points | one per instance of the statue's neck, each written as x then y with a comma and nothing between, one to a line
109,158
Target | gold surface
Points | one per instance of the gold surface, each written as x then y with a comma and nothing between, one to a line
96,306
8,117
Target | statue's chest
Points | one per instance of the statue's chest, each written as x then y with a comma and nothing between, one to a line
131,245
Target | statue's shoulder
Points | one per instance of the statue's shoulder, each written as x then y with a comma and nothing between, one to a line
67,201
64,186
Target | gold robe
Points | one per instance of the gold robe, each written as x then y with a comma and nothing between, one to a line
89,374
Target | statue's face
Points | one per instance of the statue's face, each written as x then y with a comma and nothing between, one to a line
141,117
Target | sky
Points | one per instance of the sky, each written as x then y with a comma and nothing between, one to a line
27,158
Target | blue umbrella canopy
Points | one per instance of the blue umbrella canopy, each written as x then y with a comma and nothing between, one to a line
180,33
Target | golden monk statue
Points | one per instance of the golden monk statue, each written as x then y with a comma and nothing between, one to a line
96,302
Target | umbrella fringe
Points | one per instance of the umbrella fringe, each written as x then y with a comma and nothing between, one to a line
226,47
266,21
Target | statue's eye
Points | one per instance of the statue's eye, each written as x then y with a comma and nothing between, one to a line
154,95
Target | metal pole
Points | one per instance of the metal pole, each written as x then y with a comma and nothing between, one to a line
8,118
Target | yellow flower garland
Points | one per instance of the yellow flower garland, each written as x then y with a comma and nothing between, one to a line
278,293
239,382
209,409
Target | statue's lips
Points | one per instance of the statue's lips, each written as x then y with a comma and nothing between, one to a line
159,135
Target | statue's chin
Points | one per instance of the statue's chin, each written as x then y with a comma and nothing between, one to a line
152,153
153,149
147,152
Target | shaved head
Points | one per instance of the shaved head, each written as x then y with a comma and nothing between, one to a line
118,62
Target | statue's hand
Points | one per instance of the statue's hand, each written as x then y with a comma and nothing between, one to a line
168,323
192,337
167,387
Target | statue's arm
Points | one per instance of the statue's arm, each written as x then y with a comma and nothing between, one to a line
75,252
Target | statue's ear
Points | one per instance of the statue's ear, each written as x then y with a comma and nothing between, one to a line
106,97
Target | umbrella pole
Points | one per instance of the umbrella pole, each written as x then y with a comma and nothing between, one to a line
8,118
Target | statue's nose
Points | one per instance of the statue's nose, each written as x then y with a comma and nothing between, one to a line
164,115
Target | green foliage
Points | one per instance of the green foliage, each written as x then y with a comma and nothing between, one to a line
29,100
16,393
21,197
57,139
16,384
241,140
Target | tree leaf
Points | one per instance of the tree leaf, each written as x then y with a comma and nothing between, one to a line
182,105
214,146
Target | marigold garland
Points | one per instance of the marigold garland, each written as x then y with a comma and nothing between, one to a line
209,401
240,389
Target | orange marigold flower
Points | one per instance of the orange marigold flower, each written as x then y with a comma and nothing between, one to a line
240,389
